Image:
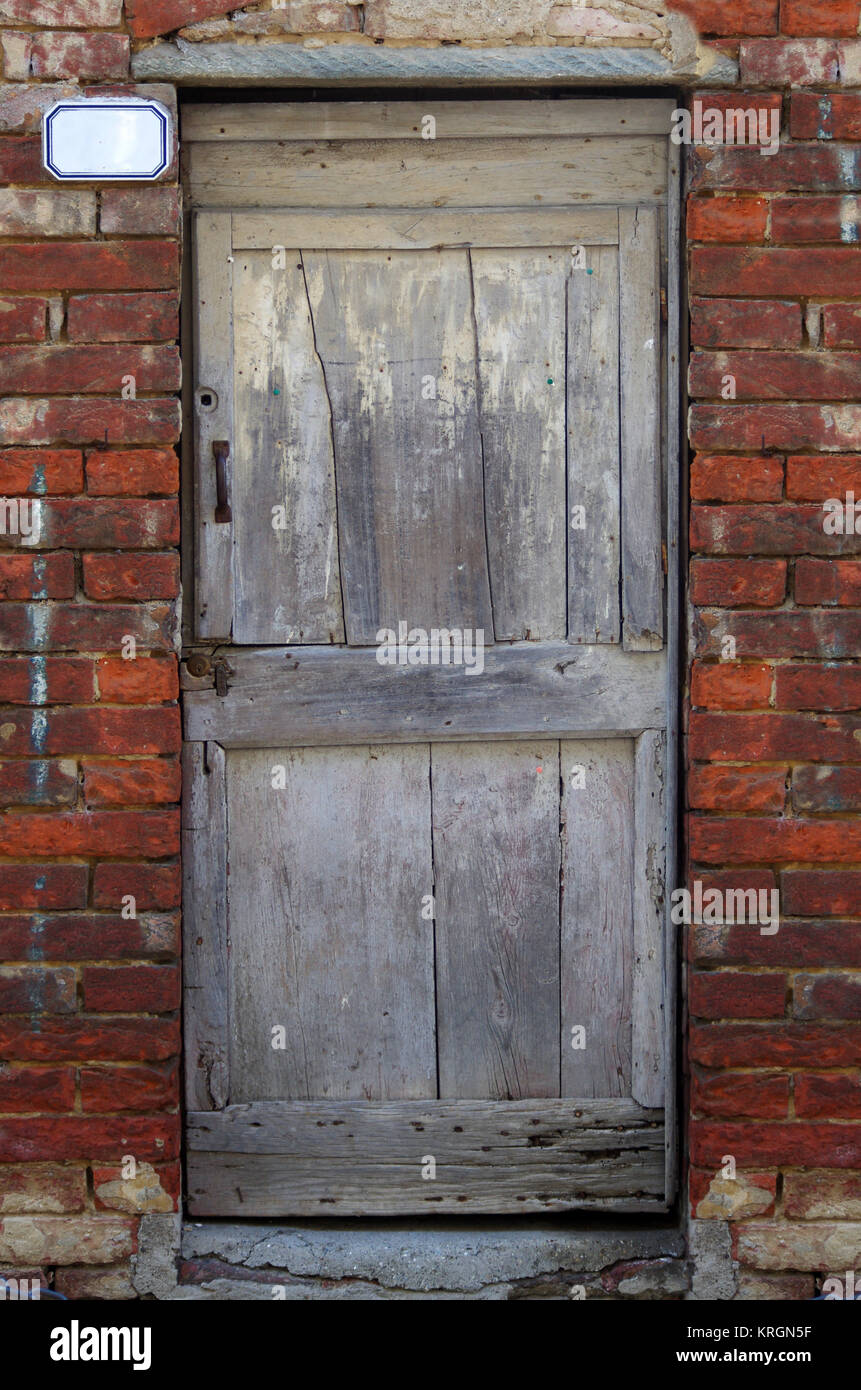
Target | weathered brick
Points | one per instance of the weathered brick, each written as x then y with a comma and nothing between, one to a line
736,788
41,471
97,57
784,427
714,1197
22,320
738,583
818,892
146,18
117,989
796,1143
764,375
830,271
141,211
828,581
842,325
50,680
98,730
34,989
823,169
99,368
61,1240
820,1096
49,213
137,682
123,318
97,525
775,1044
84,627
816,219
90,936
815,478
826,789
23,106
730,17
831,1246
90,265
42,886
113,782
769,530
790,1288
38,782
153,886
69,1136
811,17
21,160
764,1095
108,1282
37,576
566,21
70,14
754,840
819,687
108,1090
89,420
827,996
145,1192
130,576
735,994
153,833
727,219
752,323
25,1090
795,62
728,478
831,116
807,632
731,685
817,1195
773,738
797,943
73,1038
42,1188
132,472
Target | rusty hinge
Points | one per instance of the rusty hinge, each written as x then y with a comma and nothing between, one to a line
221,671
664,565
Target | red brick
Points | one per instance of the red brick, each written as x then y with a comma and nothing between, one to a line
22,320
137,682
146,18
763,1095
842,325
815,219
826,789
85,627
144,211
835,582
38,782
86,524
715,788
819,687
122,783
731,685
794,168
727,478
130,576
87,368
729,17
117,989
777,375
132,473
814,478
123,318
816,892
794,1144
776,1044
796,944
828,1097
41,471
795,62
42,886
74,14
831,116
37,576
153,833
733,994
765,271
770,530
772,738
752,323
83,420
808,632
753,841
26,1090
819,1194
152,886
107,1090
774,426
69,1137
97,730
98,57
811,17
40,1187
21,160
75,1038
738,583
727,219
90,265
88,937
32,989
827,996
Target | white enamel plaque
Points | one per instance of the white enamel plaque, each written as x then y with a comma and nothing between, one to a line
107,138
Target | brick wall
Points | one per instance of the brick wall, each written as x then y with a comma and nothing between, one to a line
90,738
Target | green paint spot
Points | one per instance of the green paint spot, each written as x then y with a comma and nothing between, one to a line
588,270
276,391
550,381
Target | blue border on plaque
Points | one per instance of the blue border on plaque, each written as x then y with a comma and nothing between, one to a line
117,104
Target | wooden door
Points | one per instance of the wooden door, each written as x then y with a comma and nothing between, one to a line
429,769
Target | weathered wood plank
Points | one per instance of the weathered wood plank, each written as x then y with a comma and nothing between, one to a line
396,340
593,448
368,173
642,502
324,696
412,229
286,567
327,874
359,120
519,301
647,1002
213,561
597,916
496,875
204,894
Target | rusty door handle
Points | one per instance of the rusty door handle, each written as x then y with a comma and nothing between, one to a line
221,451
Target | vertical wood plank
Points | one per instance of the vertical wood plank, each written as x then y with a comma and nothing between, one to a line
519,301
327,875
395,334
213,569
286,566
204,915
597,915
496,870
642,504
593,448
647,1004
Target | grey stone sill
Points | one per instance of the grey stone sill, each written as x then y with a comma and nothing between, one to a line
277,64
